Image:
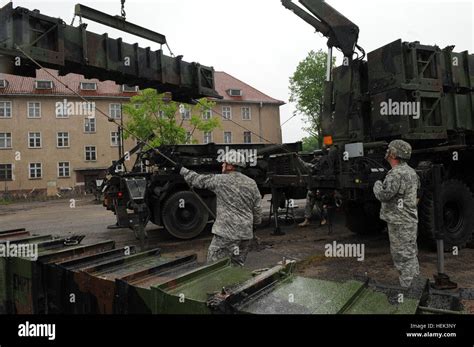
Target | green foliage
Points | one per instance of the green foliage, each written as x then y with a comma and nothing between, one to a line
149,112
307,91
5,201
310,144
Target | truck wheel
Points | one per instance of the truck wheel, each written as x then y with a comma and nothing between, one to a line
184,216
363,219
458,214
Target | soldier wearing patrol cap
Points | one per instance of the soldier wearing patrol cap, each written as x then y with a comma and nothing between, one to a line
399,197
238,208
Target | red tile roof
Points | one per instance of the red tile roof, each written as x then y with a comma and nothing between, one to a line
224,82
18,85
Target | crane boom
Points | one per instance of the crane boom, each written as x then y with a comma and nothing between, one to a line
339,30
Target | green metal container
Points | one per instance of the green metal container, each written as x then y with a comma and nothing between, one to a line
300,295
98,282
5,286
134,293
189,293
64,295
28,279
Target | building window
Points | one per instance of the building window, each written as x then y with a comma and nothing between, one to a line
89,125
36,170
207,137
246,113
115,111
227,137
91,153
129,89
34,140
88,109
63,140
44,85
88,86
114,139
6,172
227,112
5,109
207,114
247,137
5,140
34,110
234,92
186,113
64,169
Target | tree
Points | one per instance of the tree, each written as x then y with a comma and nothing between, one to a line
150,112
310,144
307,91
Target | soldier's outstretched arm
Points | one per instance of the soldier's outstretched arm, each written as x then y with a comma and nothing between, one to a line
388,189
199,181
307,166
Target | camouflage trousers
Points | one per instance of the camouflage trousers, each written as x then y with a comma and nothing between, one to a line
404,251
236,250
311,202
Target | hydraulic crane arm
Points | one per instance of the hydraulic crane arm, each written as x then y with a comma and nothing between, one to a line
339,30
70,49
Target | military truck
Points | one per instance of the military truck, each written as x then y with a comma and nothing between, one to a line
420,93
155,193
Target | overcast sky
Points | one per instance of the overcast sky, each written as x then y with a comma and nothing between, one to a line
261,43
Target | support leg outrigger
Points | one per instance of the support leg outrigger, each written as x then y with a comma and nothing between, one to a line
139,224
276,197
442,281
137,188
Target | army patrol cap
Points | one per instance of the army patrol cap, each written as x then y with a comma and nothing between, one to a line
318,152
234,158
400,149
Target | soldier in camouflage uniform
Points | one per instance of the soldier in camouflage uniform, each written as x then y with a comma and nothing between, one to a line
313,198
399,198
238,208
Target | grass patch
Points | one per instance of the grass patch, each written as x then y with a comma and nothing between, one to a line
5,202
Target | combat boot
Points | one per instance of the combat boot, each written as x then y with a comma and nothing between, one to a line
304,224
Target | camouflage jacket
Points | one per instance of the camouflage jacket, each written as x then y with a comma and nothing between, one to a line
398,195
238,202
308,166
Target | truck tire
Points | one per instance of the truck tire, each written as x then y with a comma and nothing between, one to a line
363,219
184,216
458,213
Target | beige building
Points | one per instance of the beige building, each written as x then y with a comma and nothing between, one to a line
50,140
247,115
